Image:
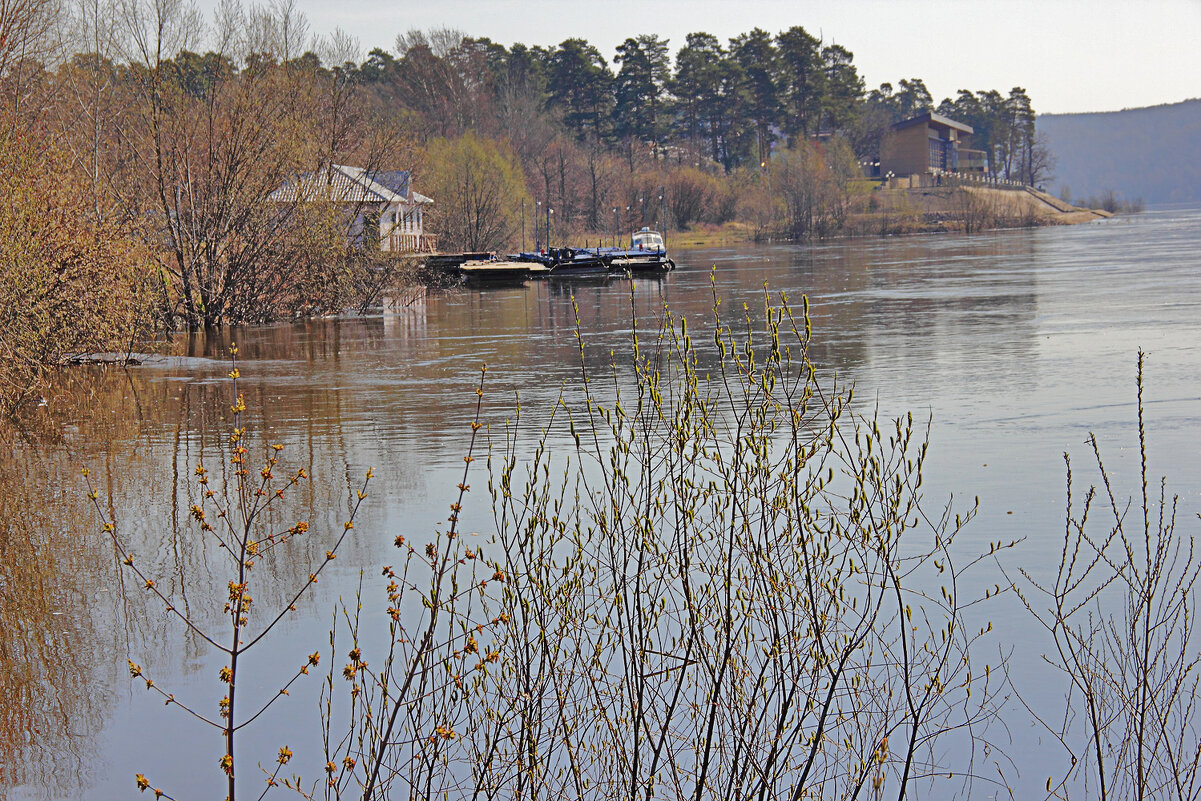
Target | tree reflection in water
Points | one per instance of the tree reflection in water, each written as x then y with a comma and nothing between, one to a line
54,582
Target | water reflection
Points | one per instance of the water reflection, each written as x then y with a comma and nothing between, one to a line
1012,341
56,593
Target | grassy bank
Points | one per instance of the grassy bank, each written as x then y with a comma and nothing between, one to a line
889,212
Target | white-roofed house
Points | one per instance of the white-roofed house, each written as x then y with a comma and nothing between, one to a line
386,209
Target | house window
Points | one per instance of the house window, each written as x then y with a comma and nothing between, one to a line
938,154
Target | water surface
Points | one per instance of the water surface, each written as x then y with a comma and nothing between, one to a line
1014,344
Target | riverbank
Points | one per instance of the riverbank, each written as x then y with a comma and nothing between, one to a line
889,212
979,207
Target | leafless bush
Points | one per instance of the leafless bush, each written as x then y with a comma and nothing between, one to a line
1121,613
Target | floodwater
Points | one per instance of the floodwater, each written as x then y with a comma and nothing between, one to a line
1014,344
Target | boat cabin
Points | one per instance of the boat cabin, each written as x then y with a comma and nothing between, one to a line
646,239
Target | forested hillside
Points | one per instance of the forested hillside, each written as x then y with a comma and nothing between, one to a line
1149,153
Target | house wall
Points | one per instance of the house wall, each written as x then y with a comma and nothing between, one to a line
912,150
905,152
973,160
402,226
376,224
403,218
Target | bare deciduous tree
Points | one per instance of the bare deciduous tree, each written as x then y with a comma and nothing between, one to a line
28,39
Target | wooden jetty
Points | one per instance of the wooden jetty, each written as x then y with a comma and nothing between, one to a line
449,262
646,254
495,270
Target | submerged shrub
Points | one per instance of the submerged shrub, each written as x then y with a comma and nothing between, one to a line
73,279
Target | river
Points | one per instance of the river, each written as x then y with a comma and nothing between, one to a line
1015,344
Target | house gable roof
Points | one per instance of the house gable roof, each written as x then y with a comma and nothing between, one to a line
395,180
340,183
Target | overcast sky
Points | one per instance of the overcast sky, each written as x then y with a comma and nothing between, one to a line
1070,55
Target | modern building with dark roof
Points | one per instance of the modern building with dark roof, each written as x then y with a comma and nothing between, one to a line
929,144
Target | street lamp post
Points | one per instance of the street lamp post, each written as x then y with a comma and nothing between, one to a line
663,211
537,214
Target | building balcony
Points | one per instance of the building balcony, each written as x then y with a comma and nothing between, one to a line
404,242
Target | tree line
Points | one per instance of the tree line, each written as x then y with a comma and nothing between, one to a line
724,105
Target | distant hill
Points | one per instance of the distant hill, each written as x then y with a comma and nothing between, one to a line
1153,153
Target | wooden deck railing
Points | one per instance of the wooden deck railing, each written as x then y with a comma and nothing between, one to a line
410,243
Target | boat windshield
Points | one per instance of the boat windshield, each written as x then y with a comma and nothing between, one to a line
647,240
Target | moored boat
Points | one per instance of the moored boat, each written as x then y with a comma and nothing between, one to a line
647,253
564,263
572,263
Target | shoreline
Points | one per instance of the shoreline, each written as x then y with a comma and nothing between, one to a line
933,210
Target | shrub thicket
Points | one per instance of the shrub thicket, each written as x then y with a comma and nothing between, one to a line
75,279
